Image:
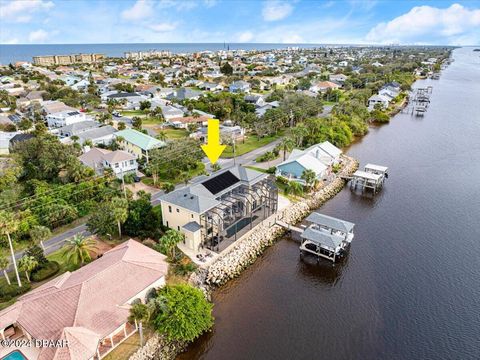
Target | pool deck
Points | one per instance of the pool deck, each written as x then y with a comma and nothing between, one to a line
29,353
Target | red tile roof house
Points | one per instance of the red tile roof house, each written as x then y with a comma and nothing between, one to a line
89,307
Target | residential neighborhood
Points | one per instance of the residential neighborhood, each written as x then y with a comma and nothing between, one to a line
109,207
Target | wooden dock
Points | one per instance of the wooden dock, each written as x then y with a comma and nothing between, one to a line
288,226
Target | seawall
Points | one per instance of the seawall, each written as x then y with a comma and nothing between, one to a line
245,251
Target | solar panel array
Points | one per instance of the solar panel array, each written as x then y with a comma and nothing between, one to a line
220,182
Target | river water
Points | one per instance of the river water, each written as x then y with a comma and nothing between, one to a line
410,286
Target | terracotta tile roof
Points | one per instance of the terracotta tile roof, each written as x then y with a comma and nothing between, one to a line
90,298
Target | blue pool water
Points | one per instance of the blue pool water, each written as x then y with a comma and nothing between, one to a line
15,355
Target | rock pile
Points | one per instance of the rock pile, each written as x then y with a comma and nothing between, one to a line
158,348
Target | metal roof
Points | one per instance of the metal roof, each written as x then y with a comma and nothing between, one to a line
139,139
376,167
192,226
330,222
366,175
322,238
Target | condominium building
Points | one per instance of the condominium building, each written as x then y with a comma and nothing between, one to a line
49,60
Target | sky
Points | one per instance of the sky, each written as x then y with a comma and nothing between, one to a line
240,21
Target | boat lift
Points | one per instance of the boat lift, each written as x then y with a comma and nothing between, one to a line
326,237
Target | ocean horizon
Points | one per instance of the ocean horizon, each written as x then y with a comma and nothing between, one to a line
10,53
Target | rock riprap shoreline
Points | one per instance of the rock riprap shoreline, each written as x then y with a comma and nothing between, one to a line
244,251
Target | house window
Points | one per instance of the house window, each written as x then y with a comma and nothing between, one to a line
178,228
178,210
169,208
167,223
116,165
131,162
192,216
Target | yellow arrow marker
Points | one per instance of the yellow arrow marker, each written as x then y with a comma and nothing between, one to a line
213,149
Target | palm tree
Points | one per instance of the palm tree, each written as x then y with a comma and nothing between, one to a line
28,264
294,188
78,248
286,144
4,266
310,177
120,212
139,313
9,224
168,242
162,135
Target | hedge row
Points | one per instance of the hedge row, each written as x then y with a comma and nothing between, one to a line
7,292
46,271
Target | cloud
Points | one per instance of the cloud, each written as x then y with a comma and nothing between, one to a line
275,10
140,10
245,37
38,36
183,5
20,11
430,25
163,27
210,3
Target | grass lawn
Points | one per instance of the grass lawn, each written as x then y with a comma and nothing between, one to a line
199,170
257,169
131,112
125,349
251,143
175,133
148,120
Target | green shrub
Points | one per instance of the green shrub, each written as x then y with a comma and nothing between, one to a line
168,187
271,170
282,180
7,292
184,268
46,271
269,155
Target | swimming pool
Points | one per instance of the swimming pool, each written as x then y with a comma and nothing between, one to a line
15,355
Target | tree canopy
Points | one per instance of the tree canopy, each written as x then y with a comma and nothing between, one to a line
185,313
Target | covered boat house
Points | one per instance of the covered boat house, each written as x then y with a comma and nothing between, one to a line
373,178
326,236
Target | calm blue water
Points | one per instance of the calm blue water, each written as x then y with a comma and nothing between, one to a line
15,355
13,53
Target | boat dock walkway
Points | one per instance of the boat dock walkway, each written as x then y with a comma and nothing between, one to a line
288,226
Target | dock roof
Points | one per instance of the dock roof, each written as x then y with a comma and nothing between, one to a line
321,238
366,175
330,222
376,167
